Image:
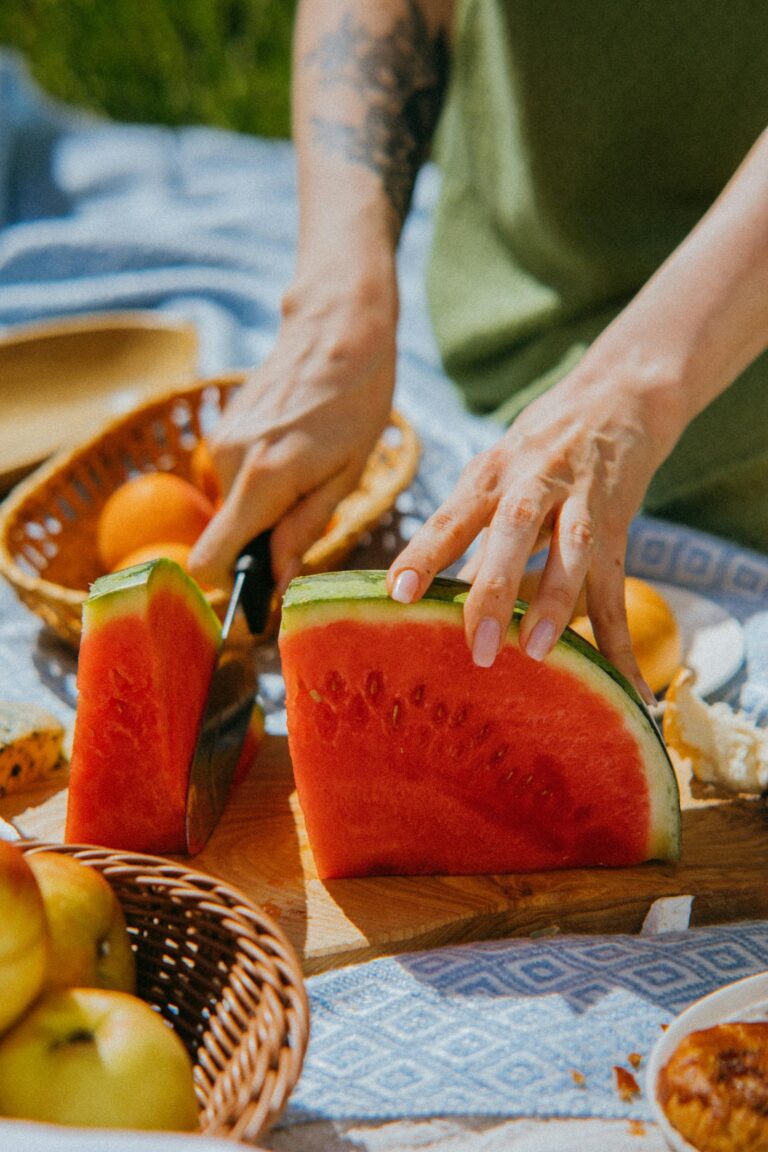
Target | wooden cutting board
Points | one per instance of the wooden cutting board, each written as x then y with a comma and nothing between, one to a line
261,847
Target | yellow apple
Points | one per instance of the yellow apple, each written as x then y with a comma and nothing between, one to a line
23,935
90,947
96,1058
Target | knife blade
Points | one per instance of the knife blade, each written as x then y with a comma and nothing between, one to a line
231,697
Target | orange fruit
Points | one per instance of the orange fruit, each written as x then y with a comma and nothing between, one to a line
203,472
156,507
168,549
653,630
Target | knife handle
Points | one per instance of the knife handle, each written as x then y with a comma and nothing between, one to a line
254,564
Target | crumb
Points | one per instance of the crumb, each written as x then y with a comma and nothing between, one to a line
635,1059
578,1078
626,1085
636,1128
664,1027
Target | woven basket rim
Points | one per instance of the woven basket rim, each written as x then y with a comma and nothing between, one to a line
36,585
254,930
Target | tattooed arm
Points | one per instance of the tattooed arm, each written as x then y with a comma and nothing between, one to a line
369,78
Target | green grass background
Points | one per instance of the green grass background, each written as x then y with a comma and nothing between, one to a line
218,62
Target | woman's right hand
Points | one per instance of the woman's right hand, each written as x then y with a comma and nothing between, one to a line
296,437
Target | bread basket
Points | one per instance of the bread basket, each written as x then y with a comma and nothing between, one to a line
48,523
223,975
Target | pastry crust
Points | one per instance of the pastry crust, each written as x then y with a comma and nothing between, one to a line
714,1088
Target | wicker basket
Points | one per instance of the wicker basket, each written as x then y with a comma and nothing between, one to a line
221,972
48,523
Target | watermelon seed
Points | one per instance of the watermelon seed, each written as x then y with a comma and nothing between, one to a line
482,734
439,713
396,716
500,753
459,718
418,694
373,686
315,695
334,684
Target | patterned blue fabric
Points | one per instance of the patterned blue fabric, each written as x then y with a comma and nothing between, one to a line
500,1029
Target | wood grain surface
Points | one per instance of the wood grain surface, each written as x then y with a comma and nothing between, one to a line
261,847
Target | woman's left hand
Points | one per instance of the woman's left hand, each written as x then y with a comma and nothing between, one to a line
569,474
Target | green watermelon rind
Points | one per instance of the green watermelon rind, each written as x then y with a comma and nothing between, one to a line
126,591
327,596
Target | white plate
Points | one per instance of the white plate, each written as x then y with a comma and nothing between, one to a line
712,639
745,1000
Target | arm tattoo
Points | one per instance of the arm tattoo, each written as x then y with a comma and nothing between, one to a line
402,74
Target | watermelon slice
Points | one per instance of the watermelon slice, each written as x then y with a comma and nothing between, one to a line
149,645
410,759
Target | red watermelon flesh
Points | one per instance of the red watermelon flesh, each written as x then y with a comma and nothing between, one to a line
410,759
147,654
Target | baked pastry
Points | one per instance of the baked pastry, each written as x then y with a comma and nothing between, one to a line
714,1088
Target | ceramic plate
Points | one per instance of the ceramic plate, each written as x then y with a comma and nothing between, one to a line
745,1000
712,639
61,378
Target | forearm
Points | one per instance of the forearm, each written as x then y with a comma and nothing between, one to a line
703,317
369,78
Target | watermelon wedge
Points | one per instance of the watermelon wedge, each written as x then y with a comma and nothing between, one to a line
149,645
410,759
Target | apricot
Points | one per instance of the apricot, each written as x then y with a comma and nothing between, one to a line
154,508
164,548
653,629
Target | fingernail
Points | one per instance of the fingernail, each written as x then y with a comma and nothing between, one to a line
292,569
540,641
647,694
485,644
406,586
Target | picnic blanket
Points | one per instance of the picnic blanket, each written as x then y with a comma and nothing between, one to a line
201,223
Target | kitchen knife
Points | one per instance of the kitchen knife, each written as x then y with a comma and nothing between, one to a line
231,697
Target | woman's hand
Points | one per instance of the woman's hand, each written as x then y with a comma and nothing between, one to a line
296,438
570,473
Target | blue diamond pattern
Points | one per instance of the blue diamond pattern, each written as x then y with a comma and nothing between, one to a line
499,1028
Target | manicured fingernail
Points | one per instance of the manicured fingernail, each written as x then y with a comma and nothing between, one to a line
647,694
540,640
486,642
292,569
406,586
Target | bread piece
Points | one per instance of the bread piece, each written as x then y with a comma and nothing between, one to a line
724,747
31,746
714,1088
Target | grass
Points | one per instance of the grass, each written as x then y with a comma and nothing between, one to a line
217,62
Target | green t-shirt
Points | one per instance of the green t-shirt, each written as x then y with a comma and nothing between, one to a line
581,141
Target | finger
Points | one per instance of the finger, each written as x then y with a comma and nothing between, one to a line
511,537
608,613
444,537
305,523
561,582
264,489
470,568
